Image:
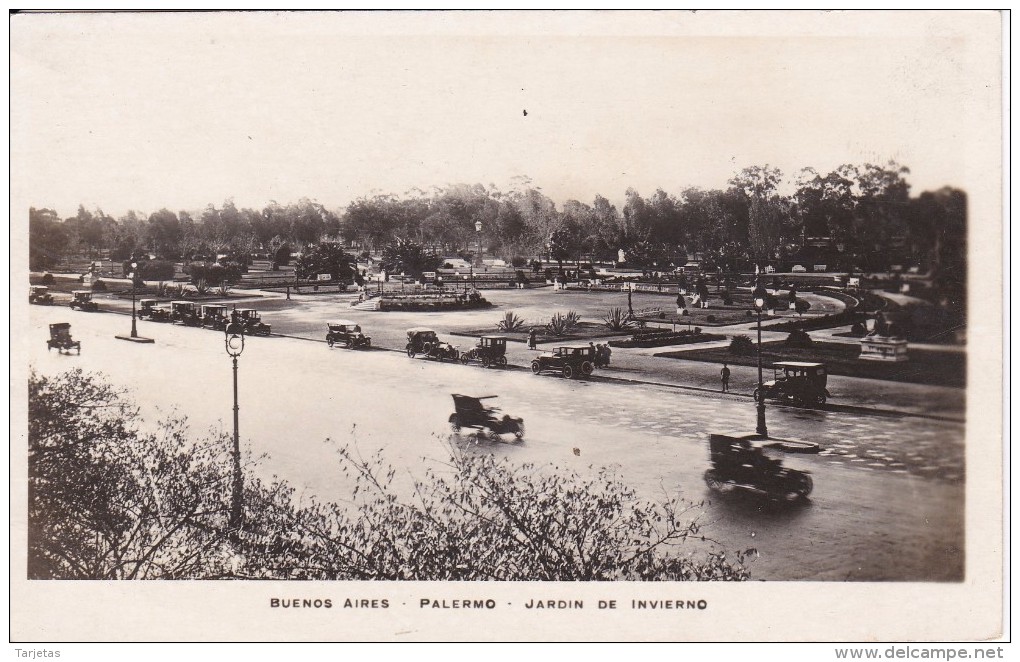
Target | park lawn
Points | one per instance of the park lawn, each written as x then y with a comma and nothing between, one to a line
933,367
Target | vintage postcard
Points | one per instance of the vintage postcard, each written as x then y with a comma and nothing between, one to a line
506,326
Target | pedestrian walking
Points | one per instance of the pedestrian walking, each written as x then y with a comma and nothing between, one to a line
531,339
607,354
600,355
725,374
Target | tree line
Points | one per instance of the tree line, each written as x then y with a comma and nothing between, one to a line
857,217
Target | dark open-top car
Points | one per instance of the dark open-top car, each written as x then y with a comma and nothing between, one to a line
149,309
472,413
799,382
346,333
489,351
744,461
569,360
60,337
82,300
252,321
425,341
39,294
183,312
214,316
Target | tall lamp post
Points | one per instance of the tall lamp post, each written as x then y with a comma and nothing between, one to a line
135,280
759,304
234,343
134,289
478,238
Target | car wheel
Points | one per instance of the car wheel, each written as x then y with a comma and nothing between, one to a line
410,352
348,344
536,367
587,368
568,372
485,361
329,341
502,362
519,432
455,422
464,358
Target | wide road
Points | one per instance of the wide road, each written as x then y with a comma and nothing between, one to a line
874,515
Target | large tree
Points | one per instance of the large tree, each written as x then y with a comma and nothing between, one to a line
326,258
47,239
410,258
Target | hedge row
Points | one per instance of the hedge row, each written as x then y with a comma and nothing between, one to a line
662,338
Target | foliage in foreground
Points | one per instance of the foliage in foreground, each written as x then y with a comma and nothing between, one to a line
108,501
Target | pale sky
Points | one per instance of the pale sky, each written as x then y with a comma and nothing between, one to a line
143,111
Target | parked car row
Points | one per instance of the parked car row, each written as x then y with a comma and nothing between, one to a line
209,315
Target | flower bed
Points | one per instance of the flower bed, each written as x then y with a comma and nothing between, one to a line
432,303
648,338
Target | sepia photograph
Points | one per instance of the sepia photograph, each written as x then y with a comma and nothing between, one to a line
506,326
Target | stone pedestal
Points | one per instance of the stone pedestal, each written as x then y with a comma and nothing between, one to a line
882,348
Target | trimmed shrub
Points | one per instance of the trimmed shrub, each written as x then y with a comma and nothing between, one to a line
801,306
727,298
741,345
99,286
799,338
47,278
710,318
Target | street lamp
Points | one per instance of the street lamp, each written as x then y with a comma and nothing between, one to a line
478,236
134,288
760,299
233,341
135,280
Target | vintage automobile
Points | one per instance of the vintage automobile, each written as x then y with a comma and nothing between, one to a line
183,312
346,333
425,341
796,381
60,337
40,294
489,351
251,320
214,316
570,360
150,310
742,462
82,300
471,413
